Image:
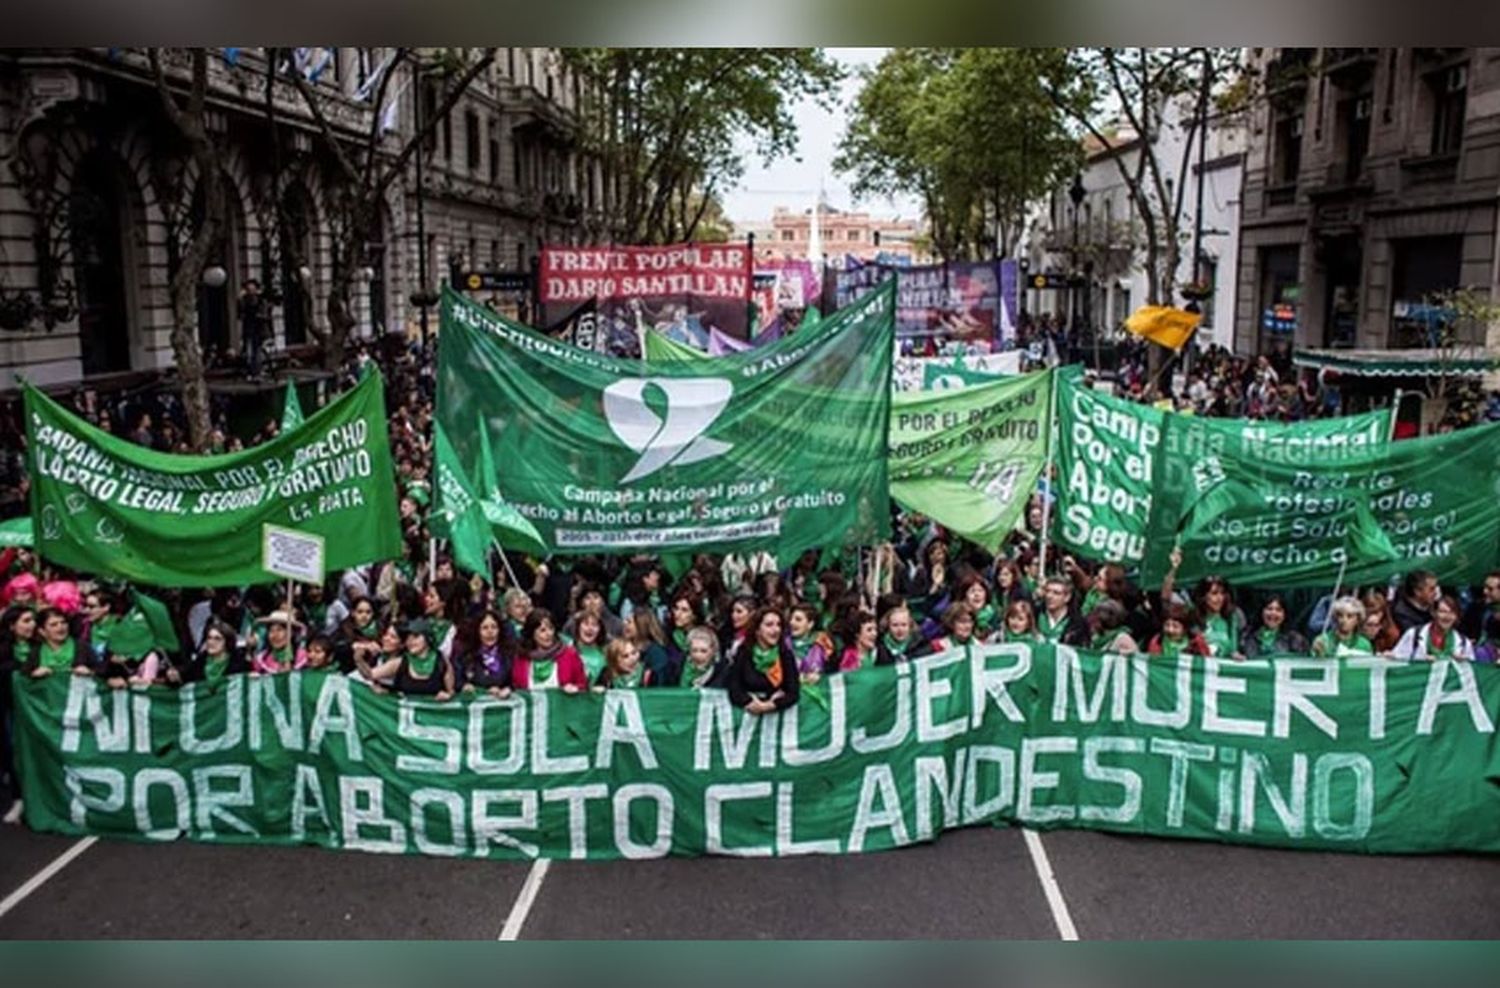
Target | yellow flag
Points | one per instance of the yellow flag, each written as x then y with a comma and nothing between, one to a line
1164,324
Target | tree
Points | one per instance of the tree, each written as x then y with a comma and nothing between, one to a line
188,120
971,132
668,122
364,169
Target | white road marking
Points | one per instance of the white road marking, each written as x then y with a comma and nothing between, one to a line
1053,891
40,878
524,901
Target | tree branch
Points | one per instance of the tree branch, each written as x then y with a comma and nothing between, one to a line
315,106
429,126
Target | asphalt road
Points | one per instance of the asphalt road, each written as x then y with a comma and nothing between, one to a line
982,883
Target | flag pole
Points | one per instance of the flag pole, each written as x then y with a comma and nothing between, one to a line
509,572
1395,414
1047,473
1338,584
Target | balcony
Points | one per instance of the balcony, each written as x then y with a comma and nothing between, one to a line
1281,195
1350,68
1429,169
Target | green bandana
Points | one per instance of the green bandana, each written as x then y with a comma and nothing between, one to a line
680,639
101,629
22,650
60,659
216,667
765,656
630,682
1266,638
699,676
1173,647
1219,633
1093,599
593,660
371,630
1105,640
283,657
1355,644
893,646
1049,630
867,659
801,646
984,618
421,666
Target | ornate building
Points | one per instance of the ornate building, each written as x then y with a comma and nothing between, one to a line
98,196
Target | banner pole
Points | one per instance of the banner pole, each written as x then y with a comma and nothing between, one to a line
509,572
1338,584
1047,473
875,575
1395,414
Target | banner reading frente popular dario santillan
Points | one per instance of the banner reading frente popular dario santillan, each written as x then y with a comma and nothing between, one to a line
713,271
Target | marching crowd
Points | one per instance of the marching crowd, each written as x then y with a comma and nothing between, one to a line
762,629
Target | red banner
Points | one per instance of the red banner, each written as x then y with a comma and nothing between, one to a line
705,271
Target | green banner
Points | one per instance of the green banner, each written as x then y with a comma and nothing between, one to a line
108,507
1436,502
781,447
1130,475
1358,754
661,348
970,459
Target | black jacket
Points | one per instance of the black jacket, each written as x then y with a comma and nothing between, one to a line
745,680
195,669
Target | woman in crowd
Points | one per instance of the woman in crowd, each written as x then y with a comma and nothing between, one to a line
1010,584
1343,636
958,630
1379,624
1178,636
1020,624
517,604
973,593
863,650
18,643
1488,649
57,652
591,601
931,581
1222,622
544,661
131,658
812,648
705,668
650,640
358,634
741,611
682,616
280,653
589,640
421,670
1274,636
1107,627
764,677
217,656
486,661
900,638
623,668
1438,638
99,619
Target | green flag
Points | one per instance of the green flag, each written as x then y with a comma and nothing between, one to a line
659,348
157,618
291,409
108,507
512,529
16,532
811,319
458,515
778,448
970,459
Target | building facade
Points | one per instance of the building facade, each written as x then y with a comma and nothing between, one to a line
98,198
841,235
1100,240
1372,183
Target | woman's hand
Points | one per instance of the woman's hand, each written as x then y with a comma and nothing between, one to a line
116,683
760,707
570,688
1175,558
40,672
499,692
811,678
82,671
443,696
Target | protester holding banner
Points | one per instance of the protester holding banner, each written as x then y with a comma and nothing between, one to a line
623,668
1020,624
1344,637
1419,591
863,650
281,652
737,628
900,637
1178,635
217,656
544,661
590,641
1108,631
1272,636
764,678
1438,638
958,630
57,652
705,668
1059,622
645,631
18,643
1378,625
421,670
358,635
486,660
812,648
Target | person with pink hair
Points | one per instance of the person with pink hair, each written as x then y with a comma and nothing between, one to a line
63,595
21,590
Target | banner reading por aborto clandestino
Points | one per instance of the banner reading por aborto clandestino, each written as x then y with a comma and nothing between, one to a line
782,447
1355,755
104,506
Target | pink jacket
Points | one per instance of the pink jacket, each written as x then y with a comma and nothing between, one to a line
266,663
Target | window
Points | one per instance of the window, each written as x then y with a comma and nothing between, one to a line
448,137
1450,89
1355,114
494,253
788,235
549,85
1287,150
510,59
853,235
494,150
517,151
471,140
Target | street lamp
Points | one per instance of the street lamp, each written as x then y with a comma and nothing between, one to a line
215,276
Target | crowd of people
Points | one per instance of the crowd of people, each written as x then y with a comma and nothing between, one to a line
760,628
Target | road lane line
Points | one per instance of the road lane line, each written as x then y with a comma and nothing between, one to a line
1053,891
40,878
524,901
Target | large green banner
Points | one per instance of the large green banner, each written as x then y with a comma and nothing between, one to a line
1435,503
970,458
106,506
1360,754
1130,475
781,447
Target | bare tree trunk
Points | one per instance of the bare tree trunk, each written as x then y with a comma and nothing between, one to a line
185,280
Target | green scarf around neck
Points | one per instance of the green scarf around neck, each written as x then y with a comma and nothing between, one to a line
893,646
421,666
765,656
59,659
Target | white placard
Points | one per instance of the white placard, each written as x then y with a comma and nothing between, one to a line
289,553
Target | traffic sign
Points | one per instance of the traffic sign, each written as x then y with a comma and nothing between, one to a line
496,281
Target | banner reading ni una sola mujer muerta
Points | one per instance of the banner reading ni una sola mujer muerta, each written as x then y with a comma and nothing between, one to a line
1363,754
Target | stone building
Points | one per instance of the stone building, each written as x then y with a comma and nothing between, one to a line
841,234
97,197
1371,184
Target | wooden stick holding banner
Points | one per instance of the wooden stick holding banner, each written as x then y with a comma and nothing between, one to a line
297,556
1047,476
